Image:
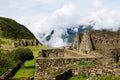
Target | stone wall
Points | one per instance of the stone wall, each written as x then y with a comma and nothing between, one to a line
97,71
115,55
25,42
86,44
44,67
100,40
105,40
51,53
10,73
76,42
57,53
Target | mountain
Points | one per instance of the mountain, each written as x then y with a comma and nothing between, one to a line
11,29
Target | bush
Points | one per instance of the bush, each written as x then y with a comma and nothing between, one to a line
6,61
23,54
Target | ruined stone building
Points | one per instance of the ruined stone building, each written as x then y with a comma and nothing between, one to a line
53,64
103,41
25,42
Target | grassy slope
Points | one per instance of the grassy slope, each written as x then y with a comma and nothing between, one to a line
11,29
28,69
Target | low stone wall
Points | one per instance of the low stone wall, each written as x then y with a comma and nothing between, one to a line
97,71
51,53
57,53
43,66
11,72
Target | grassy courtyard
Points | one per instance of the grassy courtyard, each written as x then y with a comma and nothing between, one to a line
27,70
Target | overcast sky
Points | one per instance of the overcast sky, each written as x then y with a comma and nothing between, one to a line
42,16
30,11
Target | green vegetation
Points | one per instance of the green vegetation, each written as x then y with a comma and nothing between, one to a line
23,54
81,64
86,63
6,61
95,78
27,70
66,61
11,29
78,78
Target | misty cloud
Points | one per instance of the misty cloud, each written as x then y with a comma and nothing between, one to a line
43,16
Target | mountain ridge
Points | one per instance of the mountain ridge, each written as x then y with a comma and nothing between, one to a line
9,28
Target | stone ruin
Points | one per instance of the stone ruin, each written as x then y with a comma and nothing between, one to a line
25,42
52,53
54,64
102,41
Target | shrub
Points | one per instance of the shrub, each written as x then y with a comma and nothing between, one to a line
6,61
23,54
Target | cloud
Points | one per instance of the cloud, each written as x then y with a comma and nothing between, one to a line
43,16
67,17
45,1
97,3
104,19
59,21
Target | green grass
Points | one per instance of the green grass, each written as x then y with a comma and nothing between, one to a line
5,41
78,78
95,78
27,70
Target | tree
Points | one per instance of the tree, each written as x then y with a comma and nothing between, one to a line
23,54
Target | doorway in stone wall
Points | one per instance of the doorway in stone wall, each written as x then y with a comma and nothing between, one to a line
116,58
116,54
